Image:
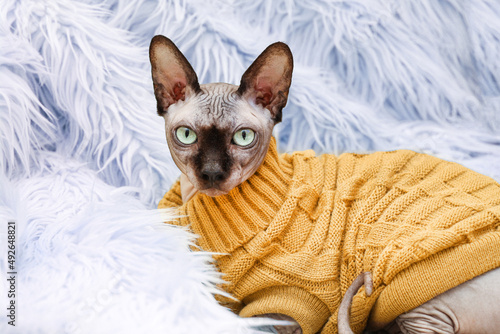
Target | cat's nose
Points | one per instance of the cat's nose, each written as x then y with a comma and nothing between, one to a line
212,176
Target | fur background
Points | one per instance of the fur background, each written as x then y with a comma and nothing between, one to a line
84,159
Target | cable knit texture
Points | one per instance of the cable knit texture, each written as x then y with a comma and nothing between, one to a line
294,236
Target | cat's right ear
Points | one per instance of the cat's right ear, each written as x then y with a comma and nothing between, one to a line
173,77
267,81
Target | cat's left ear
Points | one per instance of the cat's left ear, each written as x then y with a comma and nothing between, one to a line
267,81
174,79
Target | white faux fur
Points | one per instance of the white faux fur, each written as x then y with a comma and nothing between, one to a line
83,155
93,259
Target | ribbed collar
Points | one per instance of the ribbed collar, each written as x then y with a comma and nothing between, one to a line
232,220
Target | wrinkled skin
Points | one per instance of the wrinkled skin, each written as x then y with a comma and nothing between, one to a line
214,163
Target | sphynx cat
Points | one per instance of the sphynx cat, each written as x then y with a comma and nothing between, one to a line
218,135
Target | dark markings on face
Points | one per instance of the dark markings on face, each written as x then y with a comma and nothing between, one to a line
212,161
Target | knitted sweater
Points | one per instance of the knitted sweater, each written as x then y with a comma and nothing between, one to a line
293,237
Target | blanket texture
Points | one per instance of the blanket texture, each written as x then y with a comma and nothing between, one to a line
83,158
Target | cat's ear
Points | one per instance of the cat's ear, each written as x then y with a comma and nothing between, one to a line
267,81
173,77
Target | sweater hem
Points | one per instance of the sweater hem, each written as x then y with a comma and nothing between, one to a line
429,278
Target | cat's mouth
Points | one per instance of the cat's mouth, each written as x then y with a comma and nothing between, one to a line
215,186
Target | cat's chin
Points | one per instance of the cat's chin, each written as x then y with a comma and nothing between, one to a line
213,192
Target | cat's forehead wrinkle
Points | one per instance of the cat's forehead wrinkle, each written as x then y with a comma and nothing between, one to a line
218,99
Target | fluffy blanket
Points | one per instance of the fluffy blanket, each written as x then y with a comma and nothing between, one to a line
84,159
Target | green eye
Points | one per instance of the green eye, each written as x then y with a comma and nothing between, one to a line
244,137
185,135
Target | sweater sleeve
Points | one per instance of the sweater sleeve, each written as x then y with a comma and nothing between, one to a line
172,198
308,310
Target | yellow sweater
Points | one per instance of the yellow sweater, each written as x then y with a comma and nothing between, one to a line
295,235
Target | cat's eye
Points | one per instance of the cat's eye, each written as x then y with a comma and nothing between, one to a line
186,135
244,137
